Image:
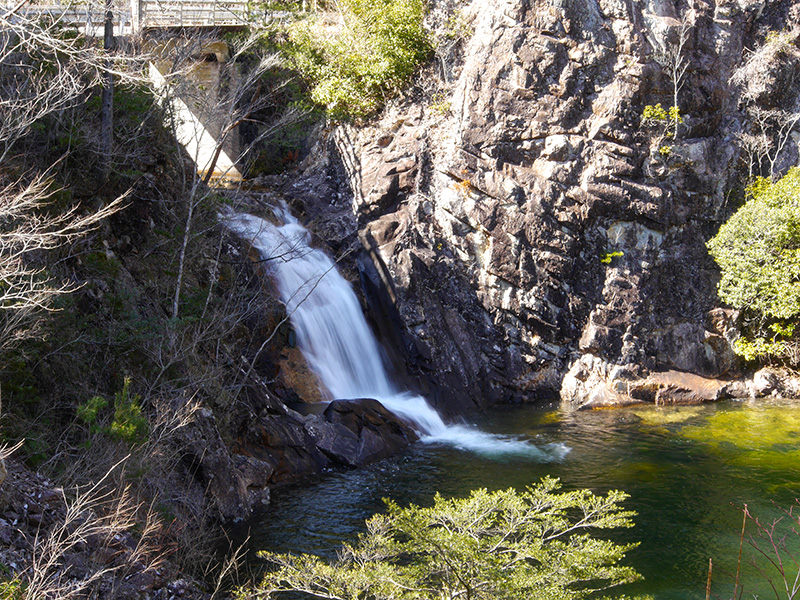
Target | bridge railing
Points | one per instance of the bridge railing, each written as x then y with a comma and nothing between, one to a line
140,14
88,19
148,14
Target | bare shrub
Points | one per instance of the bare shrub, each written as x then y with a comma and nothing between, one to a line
96,522
774,556
26,229
770,121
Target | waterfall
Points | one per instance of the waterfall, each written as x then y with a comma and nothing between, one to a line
338,344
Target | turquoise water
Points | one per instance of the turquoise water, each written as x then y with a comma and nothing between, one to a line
689,471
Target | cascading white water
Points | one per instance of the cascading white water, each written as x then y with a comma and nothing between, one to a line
334,336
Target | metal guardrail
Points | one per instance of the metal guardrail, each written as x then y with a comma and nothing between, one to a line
187,13
144,14
88,20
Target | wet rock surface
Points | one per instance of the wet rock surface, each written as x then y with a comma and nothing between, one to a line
532,239
349,433
590,385
362,431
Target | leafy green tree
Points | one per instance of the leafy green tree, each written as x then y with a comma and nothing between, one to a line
375,52
491,545
758,252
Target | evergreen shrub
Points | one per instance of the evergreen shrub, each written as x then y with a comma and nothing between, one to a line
758,252
533,544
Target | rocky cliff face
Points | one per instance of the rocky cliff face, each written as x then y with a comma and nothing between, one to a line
520,232
539,236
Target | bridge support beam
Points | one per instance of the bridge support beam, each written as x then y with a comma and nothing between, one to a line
200,124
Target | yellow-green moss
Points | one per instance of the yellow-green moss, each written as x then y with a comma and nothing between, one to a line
667,415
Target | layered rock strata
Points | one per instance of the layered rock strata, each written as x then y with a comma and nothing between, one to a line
522,232
540,236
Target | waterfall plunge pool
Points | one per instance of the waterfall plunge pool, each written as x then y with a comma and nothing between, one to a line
688,470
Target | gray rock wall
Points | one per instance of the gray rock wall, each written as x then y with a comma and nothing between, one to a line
519,233
539,239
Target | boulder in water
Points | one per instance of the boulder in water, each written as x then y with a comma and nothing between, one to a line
362,431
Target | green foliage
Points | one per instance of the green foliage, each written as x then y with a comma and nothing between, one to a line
134,101
103,264
665,119
440,104
759,347
458,26
89,411
655,113
284,148
758,252
37,449
780,39
19,384
659,113
129,424
610,256
491,545
374,54
12,589
780,345
11,586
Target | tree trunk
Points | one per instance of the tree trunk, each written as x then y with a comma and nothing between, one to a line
107,106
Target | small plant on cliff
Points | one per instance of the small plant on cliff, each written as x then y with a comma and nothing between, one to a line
502,544
373,54
89,411
662,119
673,60
128,424
767,132
782,39
464,188
440,104
609,256
758,252
12,588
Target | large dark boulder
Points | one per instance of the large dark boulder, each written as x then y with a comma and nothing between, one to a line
361,431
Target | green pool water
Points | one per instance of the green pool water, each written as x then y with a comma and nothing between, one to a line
689,471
